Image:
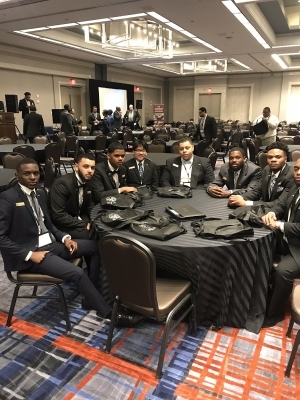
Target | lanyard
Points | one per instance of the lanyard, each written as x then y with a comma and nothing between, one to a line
188,172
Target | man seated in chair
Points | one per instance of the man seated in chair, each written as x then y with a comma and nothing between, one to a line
71,199
285,219
239,176
140,170
30,243
110,175
188,169
277,179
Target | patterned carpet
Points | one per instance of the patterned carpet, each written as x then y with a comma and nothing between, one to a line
40,361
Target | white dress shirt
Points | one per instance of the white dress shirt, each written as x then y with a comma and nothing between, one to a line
186,172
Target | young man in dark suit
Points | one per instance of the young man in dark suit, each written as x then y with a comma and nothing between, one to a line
285,219
25,104
29,242
66,121
140,170
118,118
277,179
110,175
132,117
188,169
33,125
71,199
207,127
94,120
239,176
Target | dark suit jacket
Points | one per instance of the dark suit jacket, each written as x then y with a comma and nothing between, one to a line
33,125
66,121
281,188
210,129
202,172
248,184
64,201
92,120
291,228
18,228
118,120
103,184
150,175
135,118
23,106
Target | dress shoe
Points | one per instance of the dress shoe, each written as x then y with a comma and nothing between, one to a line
272,321
124,320
85,305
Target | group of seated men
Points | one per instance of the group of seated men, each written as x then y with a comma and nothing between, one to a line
31,240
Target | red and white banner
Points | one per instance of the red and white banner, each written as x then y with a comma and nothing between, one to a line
159,114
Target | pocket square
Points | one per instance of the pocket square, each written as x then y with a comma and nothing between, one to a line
280,189
175,165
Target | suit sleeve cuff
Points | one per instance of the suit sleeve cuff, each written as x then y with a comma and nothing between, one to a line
249,203
65,237
280,225
28,256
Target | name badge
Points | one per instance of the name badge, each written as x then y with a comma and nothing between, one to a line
123,176
131,167
44,239
20,204
175,165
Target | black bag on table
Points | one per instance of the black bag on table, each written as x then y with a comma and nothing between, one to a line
121,218
145,192
251,214
181,192
156,227
261,128
215,228
122,200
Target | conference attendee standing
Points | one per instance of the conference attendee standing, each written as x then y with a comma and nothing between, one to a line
140,170
285,219
272,122
277,179
75,122
25,104
188,169
110,120
94,120
238,176
131,117
66,121
207,127
29,242
105,123
117,118
71,199
33,125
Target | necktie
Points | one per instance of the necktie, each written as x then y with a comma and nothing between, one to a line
235,179
272,184
141,171
38,213
293,209
81,187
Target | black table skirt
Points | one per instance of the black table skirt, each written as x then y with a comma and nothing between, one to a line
230,280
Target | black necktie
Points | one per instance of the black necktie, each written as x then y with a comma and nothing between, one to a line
293,207
38,213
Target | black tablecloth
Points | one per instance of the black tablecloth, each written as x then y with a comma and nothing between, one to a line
230,279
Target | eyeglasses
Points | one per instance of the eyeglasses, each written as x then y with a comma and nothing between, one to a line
140,151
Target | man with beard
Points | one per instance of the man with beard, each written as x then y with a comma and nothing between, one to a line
71,199
239,176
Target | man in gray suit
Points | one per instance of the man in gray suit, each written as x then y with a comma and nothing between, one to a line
239,176
66,121
188,169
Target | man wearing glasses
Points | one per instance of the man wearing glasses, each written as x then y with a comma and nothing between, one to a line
140,171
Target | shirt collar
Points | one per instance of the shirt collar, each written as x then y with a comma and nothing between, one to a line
25,189
78,179
278,172
111,168
138,162
187,162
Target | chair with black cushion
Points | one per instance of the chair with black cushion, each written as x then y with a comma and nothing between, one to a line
114,138
84,133
128,140
175,148
216,145
55,138
41,139
61,134
212,155
26,150
13,182
245,146
173,134
72,154
262,159
52,150
131,273
295,317
295,154
157,147
100,144
147,138
11,160
49,173
287,140
297,139
163,136
5,140
293,132
251,148
201,146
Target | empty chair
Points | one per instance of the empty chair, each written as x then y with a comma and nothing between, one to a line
52,150
26,150
180,136
55,138
163,136
131,273
49,173
147,138
293,132
251,148
201,146
156,147
5,140
210,153
11,160
41,139
61,134
12,182
84,133
71,156
295,317
295,154
262,159
100,144
114,138
173,134
287,140
175,148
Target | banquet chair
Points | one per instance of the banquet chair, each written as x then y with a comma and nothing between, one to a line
295,154
297,139
262,159
295,317
49,173
5,140
173,134
156,147
11,160
100,144
131,273
26,150
52,150
201,146
287,140
41,139
212,155
175,148
147,138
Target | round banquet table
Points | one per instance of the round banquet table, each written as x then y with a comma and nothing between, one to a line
230,279
6,175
